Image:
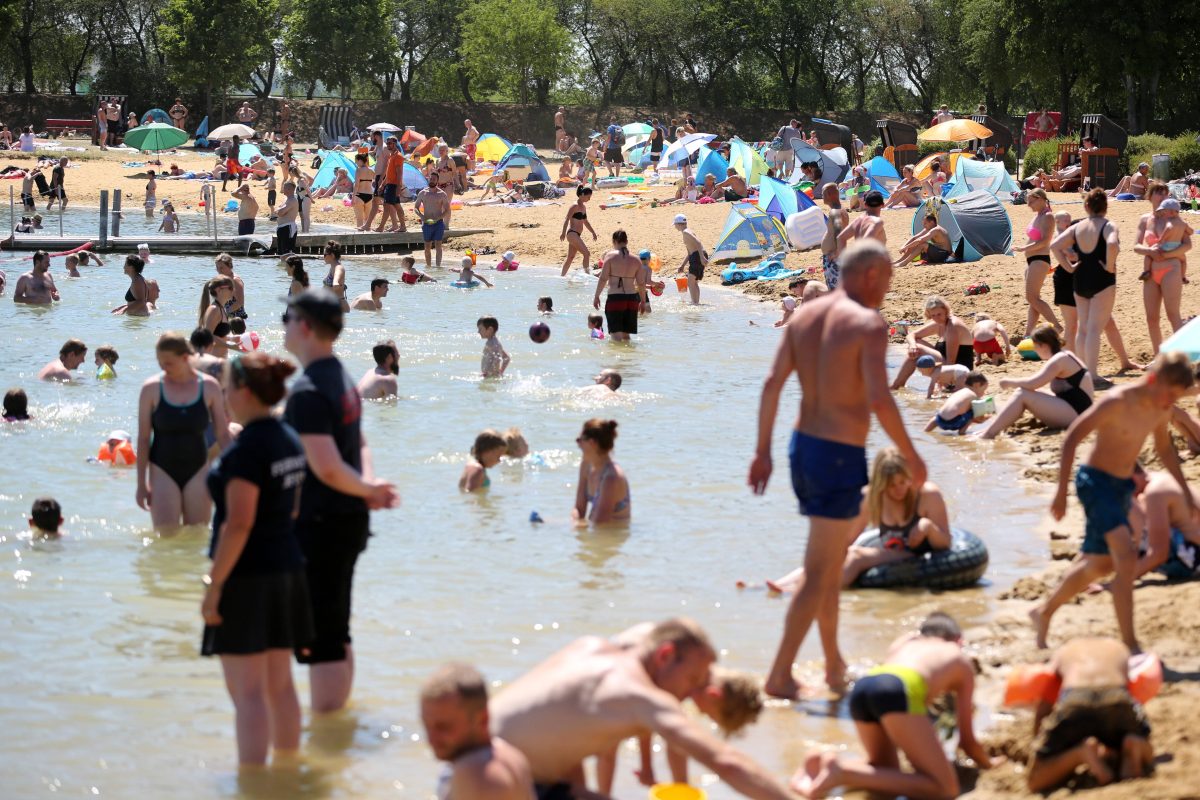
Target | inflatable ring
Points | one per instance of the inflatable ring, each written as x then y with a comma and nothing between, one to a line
605,183
960,566
464,284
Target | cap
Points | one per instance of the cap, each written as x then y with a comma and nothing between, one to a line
319,305
143,246
1170,204
645,254
509,255
1143,164
873,199
120,434
680,219
926,362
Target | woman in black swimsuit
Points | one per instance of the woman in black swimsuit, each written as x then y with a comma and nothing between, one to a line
621,273
212,316
1096,245
911,520
137,296
174,409
954,337
572,232
1070,388
256,605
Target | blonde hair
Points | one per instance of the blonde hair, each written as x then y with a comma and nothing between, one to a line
1040,194
174,343
889,464
685,634
741,700
513,441
1174,369
936,301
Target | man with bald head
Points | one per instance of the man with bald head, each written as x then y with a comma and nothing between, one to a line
594,694
837,344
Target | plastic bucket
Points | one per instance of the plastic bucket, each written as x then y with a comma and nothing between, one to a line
681,283
676,791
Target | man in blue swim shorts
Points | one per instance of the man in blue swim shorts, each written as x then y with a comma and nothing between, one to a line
1121,421
433,206
836,344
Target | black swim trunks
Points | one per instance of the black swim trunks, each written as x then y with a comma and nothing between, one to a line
1064,287
1110,714
332,544
695,264
621,312
245,226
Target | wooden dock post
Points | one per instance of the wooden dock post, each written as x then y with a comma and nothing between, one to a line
103,218
116,213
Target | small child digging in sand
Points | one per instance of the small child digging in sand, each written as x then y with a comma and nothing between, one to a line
957,413
990,341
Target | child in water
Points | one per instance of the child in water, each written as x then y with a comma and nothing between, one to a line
990,341
106,361
515,444
467,276
951,377
411,275
170,220
45,519
72,264
596,326
489,447
495,359
545,305
957,414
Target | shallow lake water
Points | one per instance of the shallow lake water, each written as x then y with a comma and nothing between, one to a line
106,693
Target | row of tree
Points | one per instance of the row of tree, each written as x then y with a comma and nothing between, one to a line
799,54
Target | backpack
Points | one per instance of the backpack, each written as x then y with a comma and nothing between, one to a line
619,137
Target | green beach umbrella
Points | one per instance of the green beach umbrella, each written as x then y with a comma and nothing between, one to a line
155,137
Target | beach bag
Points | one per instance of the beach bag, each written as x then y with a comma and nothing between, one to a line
777,144
536,189
619,137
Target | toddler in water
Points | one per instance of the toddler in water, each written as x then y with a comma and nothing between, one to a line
596,326
106,361
545,305
950,377
516,446
72,265
467,276
508,263
170,220
489,447
495,359
45,518
957,413
991,341
411,275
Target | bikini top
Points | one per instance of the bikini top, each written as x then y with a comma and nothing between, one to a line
891,533
620,505
222,328
1033,231
579,215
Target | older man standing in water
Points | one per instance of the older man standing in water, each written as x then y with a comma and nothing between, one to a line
837,344
593,694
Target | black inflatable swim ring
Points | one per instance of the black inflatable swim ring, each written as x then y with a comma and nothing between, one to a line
960,566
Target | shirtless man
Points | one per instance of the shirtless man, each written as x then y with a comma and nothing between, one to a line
560,118
247,209
933,243
843,378
454,710
58,187
1095,723
36,287
694,260
372,300
1134,184
380,382
246,115
1121,419
432,207
469,140
1044,122
594,693
889,709
734,186
1162,513
867,226
285,221
835,222
70,356
943,115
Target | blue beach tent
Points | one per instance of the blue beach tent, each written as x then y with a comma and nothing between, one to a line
977,224
413,178
1186,340
882,175
711,163
972,175
781,200
523,164
202,134
749,232
330,161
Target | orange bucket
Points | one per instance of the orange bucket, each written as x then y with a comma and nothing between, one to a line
681,283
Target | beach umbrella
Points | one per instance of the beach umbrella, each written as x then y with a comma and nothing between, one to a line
632,142
1186,340
384,126
155,137
636,129
685,147
956,130
231,130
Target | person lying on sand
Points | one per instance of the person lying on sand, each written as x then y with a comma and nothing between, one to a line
1095,723
889,709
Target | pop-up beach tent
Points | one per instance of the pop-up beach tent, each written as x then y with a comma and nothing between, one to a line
749,232
746,161
971,175
522,164
711,163
977,224
883,175
491,147
1186,340
781,200
330,161
834,163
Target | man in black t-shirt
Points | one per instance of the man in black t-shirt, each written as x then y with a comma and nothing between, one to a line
324,407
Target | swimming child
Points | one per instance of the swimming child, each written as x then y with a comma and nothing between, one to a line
792,301
508,262
495,359
16,406
45,518
951,377
890,710
106,361
990,341
489,447
596,326
516,445
170,220
545,305
467,276
957,414
411,275
72,265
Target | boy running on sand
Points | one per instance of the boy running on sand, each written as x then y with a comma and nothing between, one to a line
1122,420
889,709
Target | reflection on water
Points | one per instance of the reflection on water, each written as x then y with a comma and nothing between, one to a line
102,632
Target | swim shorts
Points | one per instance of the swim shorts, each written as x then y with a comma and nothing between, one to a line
553,791
245,226
272,196
285,238
827,477
695,265
331,544
435,232
391,194
1109,713
1106,500
935,255
1064,287
832,272
956,424
621,312
469,150
888,689
1181,558
990,347
27,201
613,156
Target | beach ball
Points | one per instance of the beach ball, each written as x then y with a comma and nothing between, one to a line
250,340
539,332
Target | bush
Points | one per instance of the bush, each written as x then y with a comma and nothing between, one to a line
1185,155
1042,154
1183,149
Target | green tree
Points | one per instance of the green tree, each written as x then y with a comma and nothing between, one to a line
213,45
334,43
511,44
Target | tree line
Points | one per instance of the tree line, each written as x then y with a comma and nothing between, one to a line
805,55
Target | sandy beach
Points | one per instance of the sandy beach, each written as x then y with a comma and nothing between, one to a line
533,233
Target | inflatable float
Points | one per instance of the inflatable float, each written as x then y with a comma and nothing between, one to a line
607,183
464,284
960,566
1030,684
740,274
